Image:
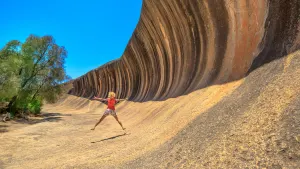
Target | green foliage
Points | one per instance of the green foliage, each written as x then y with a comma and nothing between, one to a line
31,73
10,63
34,106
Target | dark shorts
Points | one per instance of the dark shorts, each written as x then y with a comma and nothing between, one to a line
110,112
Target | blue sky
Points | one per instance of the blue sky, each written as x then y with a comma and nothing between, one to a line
93,31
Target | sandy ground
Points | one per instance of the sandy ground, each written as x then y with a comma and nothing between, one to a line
62,137
219,126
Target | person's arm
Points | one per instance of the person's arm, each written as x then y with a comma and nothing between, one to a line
98,98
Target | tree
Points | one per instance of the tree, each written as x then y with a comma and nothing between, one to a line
10,63
38,74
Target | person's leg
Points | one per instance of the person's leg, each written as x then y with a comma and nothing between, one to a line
102,118
116,117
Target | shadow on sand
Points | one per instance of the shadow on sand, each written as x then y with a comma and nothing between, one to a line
111,138
3,128
54,114
44,117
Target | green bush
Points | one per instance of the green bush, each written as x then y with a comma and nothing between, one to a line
34,106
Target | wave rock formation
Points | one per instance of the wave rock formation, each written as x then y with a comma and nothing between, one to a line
181,46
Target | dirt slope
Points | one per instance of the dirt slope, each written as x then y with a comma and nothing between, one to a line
256,126
251,122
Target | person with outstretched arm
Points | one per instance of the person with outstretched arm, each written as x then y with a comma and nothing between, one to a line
111,101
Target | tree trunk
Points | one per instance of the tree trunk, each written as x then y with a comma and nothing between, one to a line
11,105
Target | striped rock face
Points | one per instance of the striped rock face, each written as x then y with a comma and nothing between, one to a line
180,46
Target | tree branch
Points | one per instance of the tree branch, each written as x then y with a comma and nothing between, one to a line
36,92
34,72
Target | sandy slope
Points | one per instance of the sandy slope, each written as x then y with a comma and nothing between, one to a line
238,124
257,126
65,139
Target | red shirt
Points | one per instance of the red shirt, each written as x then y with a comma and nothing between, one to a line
111,103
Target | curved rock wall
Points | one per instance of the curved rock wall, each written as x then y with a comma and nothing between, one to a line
180,46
